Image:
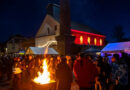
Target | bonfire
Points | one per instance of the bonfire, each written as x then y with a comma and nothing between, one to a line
44,77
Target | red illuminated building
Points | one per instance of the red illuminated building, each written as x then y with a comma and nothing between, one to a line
85,35
85,38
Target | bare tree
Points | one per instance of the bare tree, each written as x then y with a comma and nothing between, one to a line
118,33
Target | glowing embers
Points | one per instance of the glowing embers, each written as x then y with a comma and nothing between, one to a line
81,39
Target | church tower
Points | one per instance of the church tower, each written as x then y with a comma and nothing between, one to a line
65,17
65,40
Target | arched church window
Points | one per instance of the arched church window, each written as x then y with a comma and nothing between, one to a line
81,39
95,41
100,42
89,40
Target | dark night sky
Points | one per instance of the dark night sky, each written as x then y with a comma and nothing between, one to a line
25,16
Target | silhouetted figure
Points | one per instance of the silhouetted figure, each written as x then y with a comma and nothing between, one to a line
119,73
85,72
123,72
17,76
106,72
115,67
9,68
63,75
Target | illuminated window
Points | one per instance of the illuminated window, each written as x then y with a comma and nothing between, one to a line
100,42
81,39
89,40
95,41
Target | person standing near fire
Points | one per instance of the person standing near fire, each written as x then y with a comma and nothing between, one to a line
63,75
17,75
85,72
69,62
58,60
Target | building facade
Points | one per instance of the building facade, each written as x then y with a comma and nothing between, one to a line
50,29
14,44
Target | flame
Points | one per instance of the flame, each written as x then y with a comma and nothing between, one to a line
43,78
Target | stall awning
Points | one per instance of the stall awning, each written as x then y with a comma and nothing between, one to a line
116,47
92,50
40,51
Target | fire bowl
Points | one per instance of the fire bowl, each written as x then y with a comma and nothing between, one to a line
49,86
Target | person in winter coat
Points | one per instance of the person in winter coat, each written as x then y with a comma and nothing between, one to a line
120,75
85,72
63,75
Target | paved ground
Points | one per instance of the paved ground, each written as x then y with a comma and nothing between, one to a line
8,85
15,83
5,84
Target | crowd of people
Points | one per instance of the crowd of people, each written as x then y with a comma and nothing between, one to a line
106,75
88,72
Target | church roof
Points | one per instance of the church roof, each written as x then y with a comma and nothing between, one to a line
82,27
54,11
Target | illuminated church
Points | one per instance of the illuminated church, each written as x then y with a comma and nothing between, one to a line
50,29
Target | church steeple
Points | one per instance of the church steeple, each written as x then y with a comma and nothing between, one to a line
65,40
65,17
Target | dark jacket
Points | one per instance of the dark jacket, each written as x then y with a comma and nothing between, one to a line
63,76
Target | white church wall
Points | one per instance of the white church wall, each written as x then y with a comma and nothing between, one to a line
49,27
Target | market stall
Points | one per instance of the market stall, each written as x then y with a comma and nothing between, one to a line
117,48
92,51
40,51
